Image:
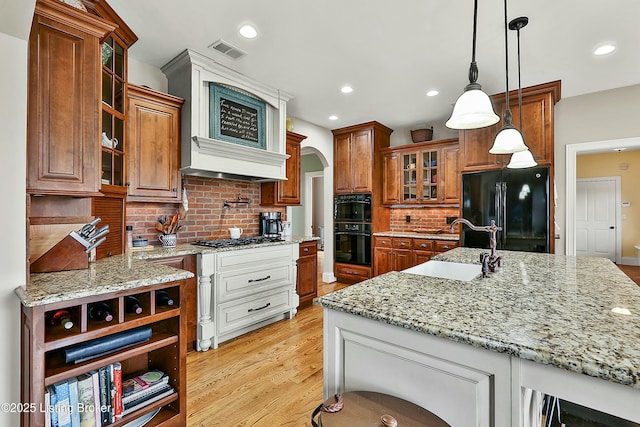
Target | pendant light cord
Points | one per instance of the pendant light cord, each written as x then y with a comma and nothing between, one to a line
507,113
519,82
473,67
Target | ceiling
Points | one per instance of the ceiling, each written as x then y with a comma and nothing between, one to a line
392,55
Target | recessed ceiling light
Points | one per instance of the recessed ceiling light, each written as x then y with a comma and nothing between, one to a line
248,31
604,49
619,149
432,92
346,89
333,117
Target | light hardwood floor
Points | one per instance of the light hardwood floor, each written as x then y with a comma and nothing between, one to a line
269,377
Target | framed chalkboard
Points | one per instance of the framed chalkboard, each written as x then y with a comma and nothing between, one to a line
236,117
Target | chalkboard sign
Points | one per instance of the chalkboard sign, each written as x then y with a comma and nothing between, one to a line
236,117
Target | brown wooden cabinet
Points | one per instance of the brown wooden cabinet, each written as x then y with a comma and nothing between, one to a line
110,208
425,173
189,294
43,362
307,280
537,114
400,253
153,124
63,119
391,254
354,155
286,192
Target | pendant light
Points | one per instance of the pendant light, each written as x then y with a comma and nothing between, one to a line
521,159
509,140
473,108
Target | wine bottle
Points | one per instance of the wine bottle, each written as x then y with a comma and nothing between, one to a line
62,318
163,298
132,305
100,311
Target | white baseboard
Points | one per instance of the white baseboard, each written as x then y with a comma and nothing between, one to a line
630,261
329,278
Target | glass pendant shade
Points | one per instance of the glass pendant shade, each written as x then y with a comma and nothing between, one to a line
521,160
508,141
472,110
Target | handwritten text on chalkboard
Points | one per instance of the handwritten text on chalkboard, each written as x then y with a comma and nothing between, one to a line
236,117
238,120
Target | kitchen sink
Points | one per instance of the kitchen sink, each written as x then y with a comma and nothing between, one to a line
446,270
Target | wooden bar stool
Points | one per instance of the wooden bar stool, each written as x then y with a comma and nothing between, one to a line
367,409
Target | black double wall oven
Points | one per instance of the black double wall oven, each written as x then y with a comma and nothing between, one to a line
352,228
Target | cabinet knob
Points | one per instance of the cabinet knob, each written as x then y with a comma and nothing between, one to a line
175,190
306,249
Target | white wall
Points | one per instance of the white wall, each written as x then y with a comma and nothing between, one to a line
321,141
13,122
600,116
143,74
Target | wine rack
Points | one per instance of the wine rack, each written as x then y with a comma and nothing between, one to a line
43,345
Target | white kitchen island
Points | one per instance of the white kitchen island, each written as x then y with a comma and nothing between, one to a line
467,350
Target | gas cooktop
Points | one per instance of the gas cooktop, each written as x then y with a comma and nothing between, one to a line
224,243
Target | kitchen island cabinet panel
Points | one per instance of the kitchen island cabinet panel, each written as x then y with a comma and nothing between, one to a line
491,326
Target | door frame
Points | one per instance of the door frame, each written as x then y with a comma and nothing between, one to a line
308,199
570,180
618,211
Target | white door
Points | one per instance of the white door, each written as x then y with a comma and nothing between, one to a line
596,218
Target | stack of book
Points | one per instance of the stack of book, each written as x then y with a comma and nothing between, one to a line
100,398
140,391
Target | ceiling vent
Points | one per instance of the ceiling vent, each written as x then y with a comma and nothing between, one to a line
227,49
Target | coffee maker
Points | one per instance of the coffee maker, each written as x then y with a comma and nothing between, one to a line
271,224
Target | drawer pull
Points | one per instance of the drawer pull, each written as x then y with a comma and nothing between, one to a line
259,308
401,243
423,245
306,249
445,246
262,279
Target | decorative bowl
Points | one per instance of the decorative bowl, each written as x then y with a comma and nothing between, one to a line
422,135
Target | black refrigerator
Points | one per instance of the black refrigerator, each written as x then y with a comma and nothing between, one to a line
518,201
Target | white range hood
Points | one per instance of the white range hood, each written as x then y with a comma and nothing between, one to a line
190,75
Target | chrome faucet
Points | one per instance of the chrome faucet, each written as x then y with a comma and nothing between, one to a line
493,260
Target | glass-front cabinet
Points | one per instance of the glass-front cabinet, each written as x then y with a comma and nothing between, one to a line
422,173
113,139
420,176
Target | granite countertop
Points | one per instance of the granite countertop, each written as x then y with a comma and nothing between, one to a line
155,252
116,273
418,235
550,309
120,272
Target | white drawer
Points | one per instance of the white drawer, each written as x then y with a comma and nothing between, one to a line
246,258
238,314
241,283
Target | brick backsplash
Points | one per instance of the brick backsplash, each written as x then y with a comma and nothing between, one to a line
206,218
431,219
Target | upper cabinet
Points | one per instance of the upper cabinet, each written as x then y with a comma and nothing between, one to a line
354,151
63,120
153,124
286,192
422,173
537,115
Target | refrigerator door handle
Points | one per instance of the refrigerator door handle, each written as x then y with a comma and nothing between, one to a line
497,202
504,214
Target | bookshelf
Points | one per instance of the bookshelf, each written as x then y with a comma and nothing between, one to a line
43,345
